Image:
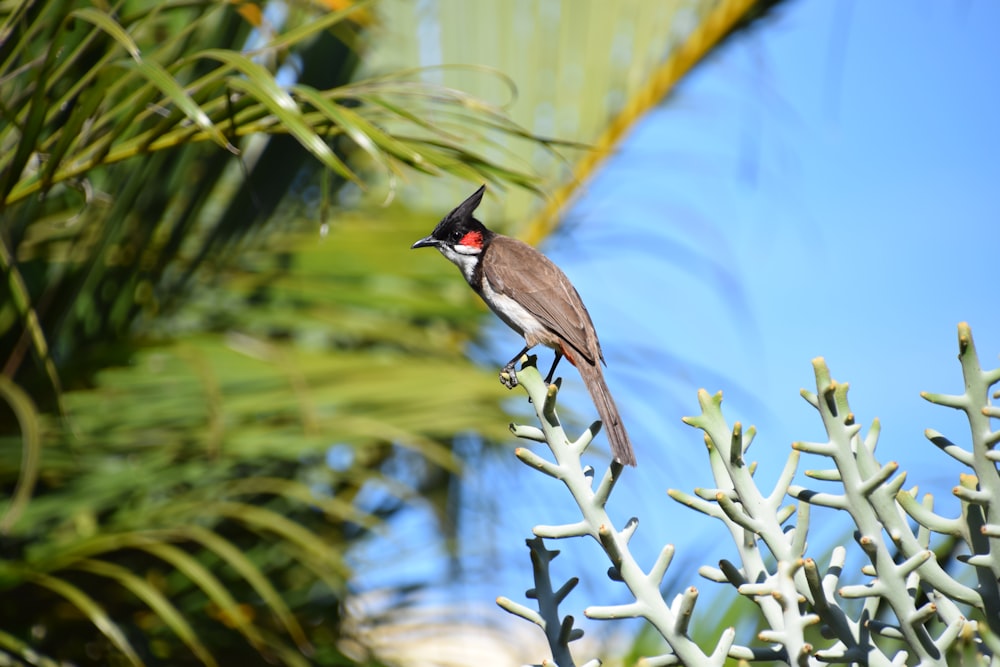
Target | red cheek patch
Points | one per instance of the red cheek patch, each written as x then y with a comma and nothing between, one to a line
472,239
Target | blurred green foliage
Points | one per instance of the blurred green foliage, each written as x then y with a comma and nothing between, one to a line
192,488
180,353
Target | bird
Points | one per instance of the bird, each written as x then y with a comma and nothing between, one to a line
534,298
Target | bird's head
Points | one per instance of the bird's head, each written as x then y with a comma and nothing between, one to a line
459,234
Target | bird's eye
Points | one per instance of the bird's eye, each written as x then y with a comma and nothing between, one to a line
457,235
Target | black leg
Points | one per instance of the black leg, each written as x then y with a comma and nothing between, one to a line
510,364
555,362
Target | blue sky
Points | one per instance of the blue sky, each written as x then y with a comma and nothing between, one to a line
825,186
811,190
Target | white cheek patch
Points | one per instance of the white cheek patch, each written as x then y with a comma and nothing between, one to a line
468,249
464,260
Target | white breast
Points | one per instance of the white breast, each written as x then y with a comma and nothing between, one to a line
511,312
515,316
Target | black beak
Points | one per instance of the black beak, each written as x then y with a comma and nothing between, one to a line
427,241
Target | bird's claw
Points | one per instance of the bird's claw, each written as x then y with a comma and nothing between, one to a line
508,377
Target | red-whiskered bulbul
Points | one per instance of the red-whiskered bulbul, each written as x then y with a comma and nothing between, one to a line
535,298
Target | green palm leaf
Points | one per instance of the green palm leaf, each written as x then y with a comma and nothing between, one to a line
89,608
157,602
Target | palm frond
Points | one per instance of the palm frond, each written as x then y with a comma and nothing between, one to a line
99,105
200,467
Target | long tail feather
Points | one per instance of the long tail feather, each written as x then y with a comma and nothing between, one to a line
621,446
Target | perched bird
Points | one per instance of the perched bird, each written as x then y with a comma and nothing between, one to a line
534,298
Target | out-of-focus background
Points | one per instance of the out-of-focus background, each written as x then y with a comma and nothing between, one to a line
242,423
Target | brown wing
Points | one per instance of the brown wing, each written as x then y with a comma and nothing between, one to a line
545,292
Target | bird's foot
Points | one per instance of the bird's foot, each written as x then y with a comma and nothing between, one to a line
508,377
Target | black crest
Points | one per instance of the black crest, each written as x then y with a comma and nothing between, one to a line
461,216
